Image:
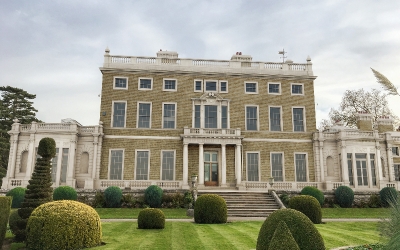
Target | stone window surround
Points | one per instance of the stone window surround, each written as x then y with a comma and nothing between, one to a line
201,85
161,163
148,162
281,115
120,77
162,120
137,114
146,78
307,170
170,90
112,113
109,161
283,163
304,119
259,161
258,117
378,168
250,93
220,91
302,88
218,103
274,93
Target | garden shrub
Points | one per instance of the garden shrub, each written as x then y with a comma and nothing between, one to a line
388,196
18,195
390,227
344,196
13,220
283,239
151,218
5,208
302,229
128,201
64,193
63,224
374,201
309,206
99,201
284,198
210,209
153,196
314,192
188,199
113,197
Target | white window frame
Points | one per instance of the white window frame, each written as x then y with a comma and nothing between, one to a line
294,161
304,119
280,88
397,151
112,114
137,114
258,117
120,77
259,163
194,85
251,93
205,86
219,84
148,167
228,123
283,164
162,119
147,78
161,163
109,162
269,118
302,88
170,90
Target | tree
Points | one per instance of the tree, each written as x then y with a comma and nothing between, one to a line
385,83
356,101
15,103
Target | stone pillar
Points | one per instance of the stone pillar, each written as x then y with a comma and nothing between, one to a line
390,162
71,181
354,167
31,152
369,172
378,165
13,155
201,165
345,171
238,165
321,160
185,175
223,166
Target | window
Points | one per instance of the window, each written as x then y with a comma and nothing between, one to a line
169,111
223,86
252,167
168,165
64,165
395,151
274,88
372,161
301,167
205,115
120,82
297,89
251,87
224,116
169,84
211,85
142,165
396,172
277,166
251,118
119,111
361,165
210,116
198,85
275,119
145,84
144,115
298,119
197,116
54,163
116,164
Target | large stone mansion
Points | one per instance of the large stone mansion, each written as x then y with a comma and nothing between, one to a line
235,123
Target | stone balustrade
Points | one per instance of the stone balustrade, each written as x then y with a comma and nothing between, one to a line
211,132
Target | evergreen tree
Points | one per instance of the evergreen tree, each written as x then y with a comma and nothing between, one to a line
39,190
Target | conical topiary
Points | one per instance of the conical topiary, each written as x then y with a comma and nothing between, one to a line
283,238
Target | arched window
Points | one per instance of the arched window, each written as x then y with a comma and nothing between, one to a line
330,171
24,162
84,164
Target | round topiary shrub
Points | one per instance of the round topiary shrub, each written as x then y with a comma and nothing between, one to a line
388,196
47,147
309,206
13,220
302,229
314,192
63,225
153,196
64,193
344,196
18,195
151,218
113,196
210,209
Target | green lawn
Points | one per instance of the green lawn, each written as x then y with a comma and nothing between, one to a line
355,213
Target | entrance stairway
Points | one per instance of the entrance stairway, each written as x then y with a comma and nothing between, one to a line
247,204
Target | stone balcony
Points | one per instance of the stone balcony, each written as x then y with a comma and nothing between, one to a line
211,135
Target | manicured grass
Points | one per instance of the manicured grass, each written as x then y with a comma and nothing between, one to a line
132,213
355,213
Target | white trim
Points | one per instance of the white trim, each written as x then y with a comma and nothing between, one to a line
148,78
258,117
148,162
273,93
251,93
132,137
304,119
219,84
194,85
137,113
283,164
276,140
161,163
120,77
269,118
162,118
170,90
302,88
294,163
205,86
112,113
259,163
109,161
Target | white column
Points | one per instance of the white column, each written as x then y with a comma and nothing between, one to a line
369,171
59,162
378,165
345,171
321,160
12,156
185,167
223,165
71,163
238,165
31,157
390,162
354,167
201,165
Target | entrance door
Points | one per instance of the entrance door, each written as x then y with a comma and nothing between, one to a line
211,168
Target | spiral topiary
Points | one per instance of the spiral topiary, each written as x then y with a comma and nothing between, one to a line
388,196
344,196
64,193
151,218
153,196
314,192
63,224
113,196
302,229
13,220
210,209
18,195
308,205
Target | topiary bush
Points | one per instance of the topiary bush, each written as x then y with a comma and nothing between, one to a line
314,192
18,195
153,196
344,196
309,206
302,229
283,238
12,221
112,197
65,193
210,209
151,218
388,196
5,208
63,224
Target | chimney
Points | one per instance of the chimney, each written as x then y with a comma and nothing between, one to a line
385,124
364,121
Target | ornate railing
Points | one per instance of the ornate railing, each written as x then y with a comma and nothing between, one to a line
16,182
211,131
139,184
